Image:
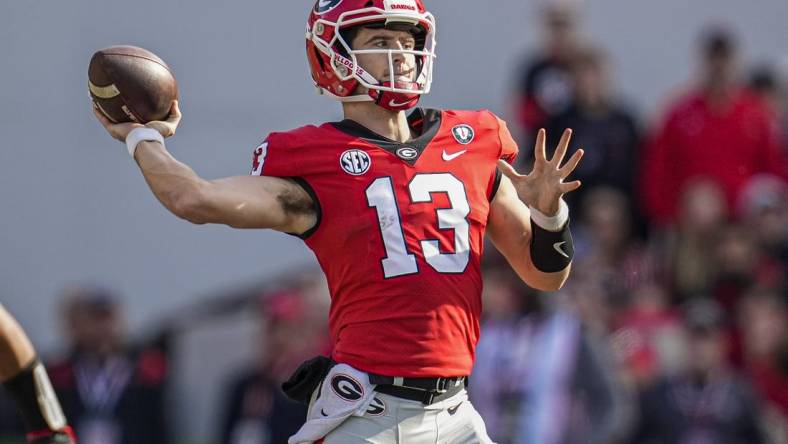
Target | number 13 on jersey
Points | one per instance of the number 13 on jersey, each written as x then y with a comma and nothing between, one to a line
399,261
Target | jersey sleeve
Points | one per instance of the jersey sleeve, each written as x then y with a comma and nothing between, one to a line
509,148
273,157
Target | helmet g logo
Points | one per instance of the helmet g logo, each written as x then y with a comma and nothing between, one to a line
323,6
355,162
463,133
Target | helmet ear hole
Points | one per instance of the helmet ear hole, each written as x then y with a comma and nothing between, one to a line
369,4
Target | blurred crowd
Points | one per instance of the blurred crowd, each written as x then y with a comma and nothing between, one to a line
673,327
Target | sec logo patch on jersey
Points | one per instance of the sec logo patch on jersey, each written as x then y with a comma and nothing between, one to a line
463,134
355,162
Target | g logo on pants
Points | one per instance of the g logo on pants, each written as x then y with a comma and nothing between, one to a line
346,387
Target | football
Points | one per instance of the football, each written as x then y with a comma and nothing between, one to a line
131,84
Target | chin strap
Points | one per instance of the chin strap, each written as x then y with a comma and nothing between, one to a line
394,101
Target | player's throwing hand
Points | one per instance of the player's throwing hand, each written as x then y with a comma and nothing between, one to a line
119,131
543,187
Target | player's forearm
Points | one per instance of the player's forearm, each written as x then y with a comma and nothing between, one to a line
550,250
174,183
518,255
16,351
540,257
24,377
540,280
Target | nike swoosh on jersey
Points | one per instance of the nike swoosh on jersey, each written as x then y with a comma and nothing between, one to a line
449,157
453,410
557,247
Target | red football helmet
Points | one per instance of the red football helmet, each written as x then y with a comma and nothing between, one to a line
334,64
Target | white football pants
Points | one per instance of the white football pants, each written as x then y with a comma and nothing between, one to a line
450,421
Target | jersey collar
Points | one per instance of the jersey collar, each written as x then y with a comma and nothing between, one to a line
425,122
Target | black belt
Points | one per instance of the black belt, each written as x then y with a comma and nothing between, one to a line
425,390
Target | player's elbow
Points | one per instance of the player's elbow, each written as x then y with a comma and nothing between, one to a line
547,282
553,284
191,206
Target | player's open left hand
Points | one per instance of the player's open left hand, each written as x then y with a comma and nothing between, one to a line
119,131
544,185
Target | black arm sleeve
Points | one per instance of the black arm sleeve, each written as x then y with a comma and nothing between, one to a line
551,251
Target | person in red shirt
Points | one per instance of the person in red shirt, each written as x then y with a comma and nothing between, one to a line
24,377
395,208
720,131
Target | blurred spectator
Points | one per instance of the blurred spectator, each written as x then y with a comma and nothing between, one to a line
649,338
763,325
739,266
764,83
112,393
707,402
720,130
544,84
256,409
605,247
688,248
763,208
605,130
541,376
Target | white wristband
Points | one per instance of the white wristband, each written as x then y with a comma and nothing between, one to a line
551,223
137,135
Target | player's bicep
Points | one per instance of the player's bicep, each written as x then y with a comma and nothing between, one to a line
259,202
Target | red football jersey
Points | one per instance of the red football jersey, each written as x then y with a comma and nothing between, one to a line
400,233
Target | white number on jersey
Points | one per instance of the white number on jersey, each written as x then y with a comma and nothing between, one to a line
398,261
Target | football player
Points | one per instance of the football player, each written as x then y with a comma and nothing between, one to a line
25,378
395,207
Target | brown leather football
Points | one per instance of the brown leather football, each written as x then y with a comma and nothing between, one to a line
131,84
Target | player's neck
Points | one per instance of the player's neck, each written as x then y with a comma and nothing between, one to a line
390,124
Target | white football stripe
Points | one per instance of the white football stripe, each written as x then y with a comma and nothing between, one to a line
103,92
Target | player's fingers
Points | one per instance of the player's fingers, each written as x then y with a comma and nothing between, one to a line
107,124
167,128
563,145
571,164
509,171
100,116
570,186
163,128
175,113
539,149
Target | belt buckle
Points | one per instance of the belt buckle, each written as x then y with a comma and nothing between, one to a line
440,387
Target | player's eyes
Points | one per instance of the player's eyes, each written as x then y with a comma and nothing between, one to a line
383,43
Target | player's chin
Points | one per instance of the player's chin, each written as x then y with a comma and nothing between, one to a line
401,82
